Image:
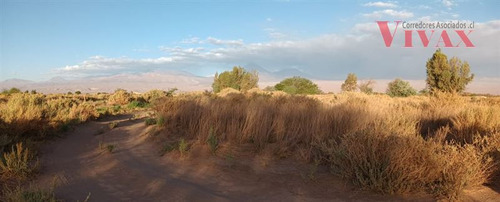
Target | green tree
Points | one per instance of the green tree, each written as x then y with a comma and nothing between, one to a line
350,84
238,78
78,92
447,75
11,91
366,87
297,85
400,88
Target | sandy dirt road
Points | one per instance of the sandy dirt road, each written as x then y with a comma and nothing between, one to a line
135,171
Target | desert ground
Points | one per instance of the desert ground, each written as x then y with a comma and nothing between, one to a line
210,147
137,172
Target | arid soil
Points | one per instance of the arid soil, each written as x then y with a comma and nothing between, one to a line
81,166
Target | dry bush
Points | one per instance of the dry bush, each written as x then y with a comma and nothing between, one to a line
83,112
18,163
36,116
477,120
228,91
23,114
153,95
390,145
119,97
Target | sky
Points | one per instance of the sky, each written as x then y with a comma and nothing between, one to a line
42,39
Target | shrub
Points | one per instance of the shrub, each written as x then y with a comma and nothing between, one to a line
228,91
168,147
400,88
113,125
136,104
110,148
11,91
150,121
377,142
160,121
154,95
366,86
350,84
212,141
116,108
83,112
297,85
30,194
183,147
238,78
18,163
120,97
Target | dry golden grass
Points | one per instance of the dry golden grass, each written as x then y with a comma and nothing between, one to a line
439,145
28,117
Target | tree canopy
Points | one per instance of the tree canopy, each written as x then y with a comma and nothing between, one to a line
297,85
447,75
238,78
350,84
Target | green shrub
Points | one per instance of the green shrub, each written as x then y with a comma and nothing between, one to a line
116,108
168,147
150,121
183,147
110,148
400,88
212,141
136,104
239,79
103,111
160,121
11,91
297,85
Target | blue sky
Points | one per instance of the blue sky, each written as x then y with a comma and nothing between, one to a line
43,39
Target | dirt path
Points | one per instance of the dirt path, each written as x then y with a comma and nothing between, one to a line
136,172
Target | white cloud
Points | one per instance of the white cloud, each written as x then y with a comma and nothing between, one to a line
389,12
178,51
213,41
216,41
424,7
275,34
448,3
328,56
100,64
191,40
381,4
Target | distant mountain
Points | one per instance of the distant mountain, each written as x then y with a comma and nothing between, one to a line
57,79
141,82
17,83
185,81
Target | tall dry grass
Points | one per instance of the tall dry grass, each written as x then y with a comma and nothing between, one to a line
438,145
26,116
